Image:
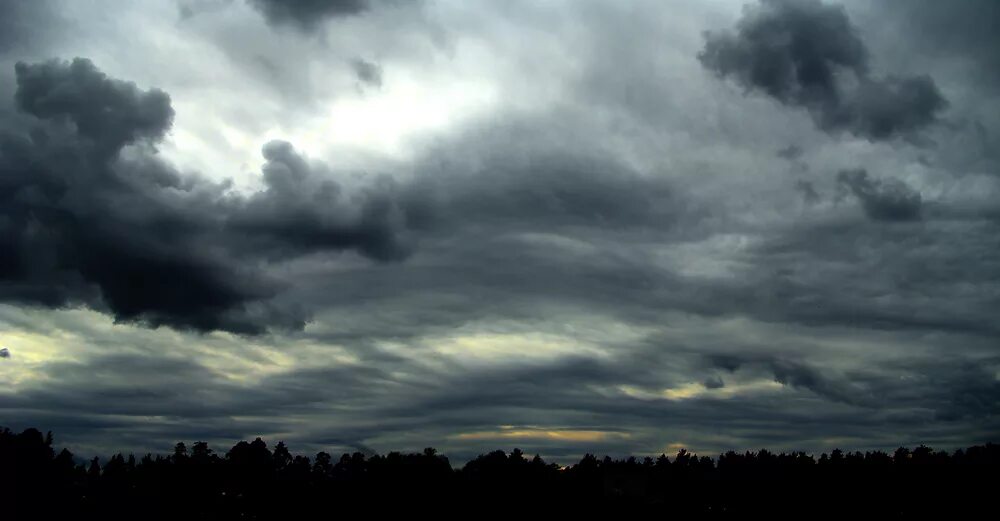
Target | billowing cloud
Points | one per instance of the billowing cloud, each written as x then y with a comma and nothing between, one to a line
109,113
93,216
805,53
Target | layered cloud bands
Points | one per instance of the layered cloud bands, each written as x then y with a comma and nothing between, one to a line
548,225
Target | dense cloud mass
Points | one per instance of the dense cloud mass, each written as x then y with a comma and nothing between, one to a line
88,221
549,225
807,54
889,200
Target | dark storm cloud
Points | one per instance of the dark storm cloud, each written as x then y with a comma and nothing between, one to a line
883,200
4,353
107,112
91,215
294,214
805,53
80,233
307,14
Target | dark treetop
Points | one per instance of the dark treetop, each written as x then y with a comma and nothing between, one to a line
252,481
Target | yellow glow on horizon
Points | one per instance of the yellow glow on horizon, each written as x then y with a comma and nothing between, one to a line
28,353
543,434
79,335
673,448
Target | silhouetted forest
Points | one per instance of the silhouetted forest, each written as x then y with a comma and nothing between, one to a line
254,481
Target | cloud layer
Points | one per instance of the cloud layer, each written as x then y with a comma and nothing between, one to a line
547,225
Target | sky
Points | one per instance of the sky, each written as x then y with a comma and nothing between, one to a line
568,226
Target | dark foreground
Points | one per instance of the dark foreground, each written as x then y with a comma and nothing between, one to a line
252,481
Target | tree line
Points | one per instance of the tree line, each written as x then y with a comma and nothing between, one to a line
254,481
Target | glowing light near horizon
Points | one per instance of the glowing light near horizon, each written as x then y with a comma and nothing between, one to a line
691,390
569,435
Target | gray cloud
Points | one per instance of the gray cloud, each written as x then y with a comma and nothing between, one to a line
808,54
22,23
808,191
107,112
799,375
377,407
714,382
307,14
369,73
608,244
961,30
883,200
791,152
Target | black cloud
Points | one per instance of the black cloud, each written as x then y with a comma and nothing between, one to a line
90,215
807,54
307,14
108,112
882,200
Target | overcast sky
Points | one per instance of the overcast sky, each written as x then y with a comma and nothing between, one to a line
562,225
